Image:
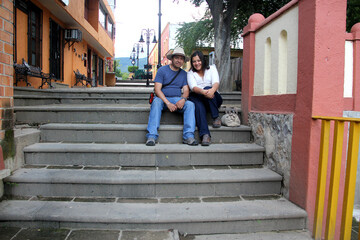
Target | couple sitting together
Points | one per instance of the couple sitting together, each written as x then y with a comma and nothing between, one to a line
172,89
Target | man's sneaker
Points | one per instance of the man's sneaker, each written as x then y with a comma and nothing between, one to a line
190,141
150,142
217,122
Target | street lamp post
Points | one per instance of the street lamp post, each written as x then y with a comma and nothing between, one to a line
159,45
132,58
147,33
133,61
137,47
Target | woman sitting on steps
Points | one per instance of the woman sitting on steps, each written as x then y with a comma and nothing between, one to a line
203,81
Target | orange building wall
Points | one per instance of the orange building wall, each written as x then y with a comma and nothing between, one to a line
73,56
22,43
153,60
76,10
21,33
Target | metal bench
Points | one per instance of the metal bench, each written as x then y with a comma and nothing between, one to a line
80,78
24,70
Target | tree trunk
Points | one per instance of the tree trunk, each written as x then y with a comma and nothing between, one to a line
222,57
222,16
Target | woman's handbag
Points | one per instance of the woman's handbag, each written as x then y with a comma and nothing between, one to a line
152,94
231,117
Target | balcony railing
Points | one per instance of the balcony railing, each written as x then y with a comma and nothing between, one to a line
350,176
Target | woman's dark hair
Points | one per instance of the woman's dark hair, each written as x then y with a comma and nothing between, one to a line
204,63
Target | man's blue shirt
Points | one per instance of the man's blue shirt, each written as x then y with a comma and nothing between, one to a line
165,75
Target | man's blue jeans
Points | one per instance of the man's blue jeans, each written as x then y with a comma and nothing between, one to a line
157,107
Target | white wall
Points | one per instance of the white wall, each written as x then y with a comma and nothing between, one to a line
349,65
173,29
276,55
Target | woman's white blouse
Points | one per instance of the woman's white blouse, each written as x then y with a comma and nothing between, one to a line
211,76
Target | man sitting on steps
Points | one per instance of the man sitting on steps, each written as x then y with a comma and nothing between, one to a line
169,82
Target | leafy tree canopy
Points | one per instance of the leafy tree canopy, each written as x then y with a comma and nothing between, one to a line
352,14
117,68
201,33
132,68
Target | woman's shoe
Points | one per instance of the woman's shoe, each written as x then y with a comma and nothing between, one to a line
206,140
217,122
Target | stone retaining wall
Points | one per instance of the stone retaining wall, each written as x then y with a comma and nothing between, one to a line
274,132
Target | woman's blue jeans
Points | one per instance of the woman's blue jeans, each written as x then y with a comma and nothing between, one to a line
158,106
202,106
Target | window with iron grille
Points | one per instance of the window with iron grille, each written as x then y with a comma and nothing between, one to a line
34,35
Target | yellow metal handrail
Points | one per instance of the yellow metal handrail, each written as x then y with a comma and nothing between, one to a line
350,177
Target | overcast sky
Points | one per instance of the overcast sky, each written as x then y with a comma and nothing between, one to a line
132,16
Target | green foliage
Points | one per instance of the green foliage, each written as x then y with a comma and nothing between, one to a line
8,144
195,34
353,13
117,68
201,33
132,68
139,74
125,75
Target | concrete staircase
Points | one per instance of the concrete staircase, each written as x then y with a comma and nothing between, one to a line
133,83
93,170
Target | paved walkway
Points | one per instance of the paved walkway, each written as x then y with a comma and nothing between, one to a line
14,233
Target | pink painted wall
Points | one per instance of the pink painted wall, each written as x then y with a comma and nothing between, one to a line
320,87
320,91
249,63
165,39
355,37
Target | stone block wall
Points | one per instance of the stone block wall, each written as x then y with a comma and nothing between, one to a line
274,132
6,78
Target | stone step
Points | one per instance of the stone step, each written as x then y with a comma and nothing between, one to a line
133,133
191,218
109,95
7,233
33,100
86,92
141,155
93,113
132,84
142,183
279,235
99,92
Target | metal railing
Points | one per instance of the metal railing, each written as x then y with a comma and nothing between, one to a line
350,176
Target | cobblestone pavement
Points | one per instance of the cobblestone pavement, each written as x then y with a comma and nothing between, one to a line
14,233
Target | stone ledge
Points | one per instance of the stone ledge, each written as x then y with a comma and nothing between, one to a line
25,135
4,173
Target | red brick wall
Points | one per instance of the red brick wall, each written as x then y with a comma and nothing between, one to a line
6,67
